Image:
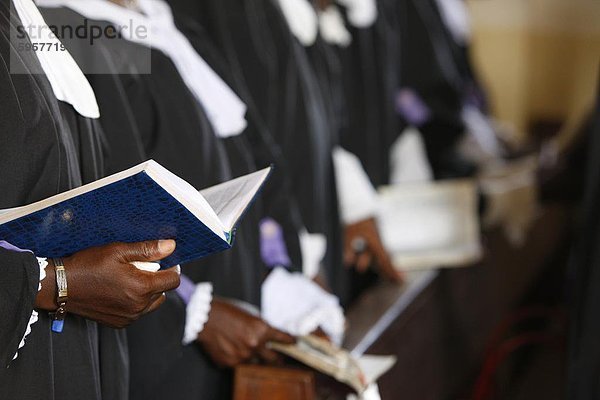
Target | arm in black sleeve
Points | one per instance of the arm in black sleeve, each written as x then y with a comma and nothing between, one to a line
19,279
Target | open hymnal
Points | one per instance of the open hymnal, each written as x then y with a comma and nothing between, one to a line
323,356
431,224
146,202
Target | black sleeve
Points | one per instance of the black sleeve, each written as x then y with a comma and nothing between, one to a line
19,272
19,281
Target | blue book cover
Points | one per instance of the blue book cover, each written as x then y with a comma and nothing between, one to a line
146,202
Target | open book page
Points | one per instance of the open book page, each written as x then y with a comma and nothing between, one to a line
187,195
430,225
229,200
8,210
327,358
373,367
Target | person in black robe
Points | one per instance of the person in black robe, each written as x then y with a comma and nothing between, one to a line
167,123
236,274
370,73
408,48
267,60
325,55
46,147
429,69
583,286
255,146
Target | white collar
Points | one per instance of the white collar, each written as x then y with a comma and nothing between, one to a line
361,13
224,108
301,18
68,83
332,28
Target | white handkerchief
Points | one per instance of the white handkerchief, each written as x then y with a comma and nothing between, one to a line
297,305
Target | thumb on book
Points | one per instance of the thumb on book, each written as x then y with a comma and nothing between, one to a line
153,250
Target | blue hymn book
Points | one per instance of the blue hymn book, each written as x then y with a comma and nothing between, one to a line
146,202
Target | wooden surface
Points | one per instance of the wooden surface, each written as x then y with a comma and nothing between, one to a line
255,382
440,337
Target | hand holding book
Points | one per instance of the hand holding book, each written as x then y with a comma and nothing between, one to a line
321,355
106,287
232,336
109,232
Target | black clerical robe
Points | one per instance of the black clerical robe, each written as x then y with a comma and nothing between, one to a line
255,146
429,67
274,67
584,282
46,148
370,76
408,47
156,116
176,132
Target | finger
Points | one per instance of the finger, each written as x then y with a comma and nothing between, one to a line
223,360
276,335
389,271
349,255
364,261
230,361
163,281
386,266
153,250
269,356
151,301
245,355
161,298
321,334
223,353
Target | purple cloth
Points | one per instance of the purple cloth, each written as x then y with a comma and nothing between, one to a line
186,289
410,105
272,244
7,246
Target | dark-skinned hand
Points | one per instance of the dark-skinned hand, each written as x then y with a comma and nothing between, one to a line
373,252
103,286
232,336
